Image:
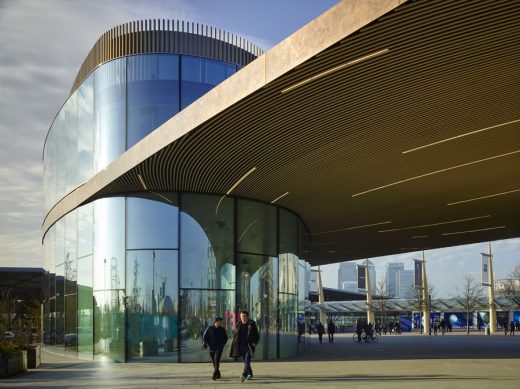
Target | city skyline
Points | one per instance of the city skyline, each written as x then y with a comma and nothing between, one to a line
447,267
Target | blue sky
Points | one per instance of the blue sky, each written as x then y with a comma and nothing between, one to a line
42,45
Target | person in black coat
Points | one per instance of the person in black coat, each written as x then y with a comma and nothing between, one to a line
244,342
320,330
214,339
331,329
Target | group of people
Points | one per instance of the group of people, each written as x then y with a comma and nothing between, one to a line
245,340
391,327
439,325
331,330
512,328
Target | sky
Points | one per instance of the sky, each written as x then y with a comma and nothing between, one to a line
42,46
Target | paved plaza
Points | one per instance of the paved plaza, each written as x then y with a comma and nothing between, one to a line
396,361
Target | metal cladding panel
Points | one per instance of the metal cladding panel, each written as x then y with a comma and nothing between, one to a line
160,36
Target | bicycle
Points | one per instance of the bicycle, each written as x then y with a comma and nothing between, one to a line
365,338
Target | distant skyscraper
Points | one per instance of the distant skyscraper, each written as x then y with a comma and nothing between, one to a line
391,278
347,276
404,285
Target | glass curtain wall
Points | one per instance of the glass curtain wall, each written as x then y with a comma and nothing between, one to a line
152,277
119,104
207,270
141,278
109,278
258,270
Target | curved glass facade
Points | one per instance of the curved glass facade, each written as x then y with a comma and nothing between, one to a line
120,103
140,277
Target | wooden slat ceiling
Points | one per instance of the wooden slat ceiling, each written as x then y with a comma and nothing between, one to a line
452,67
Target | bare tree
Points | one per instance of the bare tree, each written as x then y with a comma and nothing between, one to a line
380,301
512,287
470,298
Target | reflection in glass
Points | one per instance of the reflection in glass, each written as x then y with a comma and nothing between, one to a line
152,304
153,93
109,244
60,305
85,328
288,324
109,112
69,154
288,274
109,324
85,147
258,294
85,229
288,232
199,75
58,151
70,262
153,223
198,311
207,242
256,230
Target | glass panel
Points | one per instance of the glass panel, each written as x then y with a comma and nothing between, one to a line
153,93
153,223
207,242
109,112
288,232
70,135
60,311
216,71
59,160
198,310
85,129
288,274
303,239
85,314
199,75
70,337
152,303
109,324
70,264
256,228
258,294
288,325
109,243
85,229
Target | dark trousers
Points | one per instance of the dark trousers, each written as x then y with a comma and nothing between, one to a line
215,357
331,337
245,353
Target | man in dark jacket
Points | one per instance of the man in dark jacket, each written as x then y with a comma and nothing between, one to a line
245,339
215,339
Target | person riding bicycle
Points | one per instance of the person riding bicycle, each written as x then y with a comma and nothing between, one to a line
369,331
359,329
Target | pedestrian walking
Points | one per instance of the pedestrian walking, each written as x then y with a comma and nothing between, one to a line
244,342
443,325
512,328
320,330
331,329
214,339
